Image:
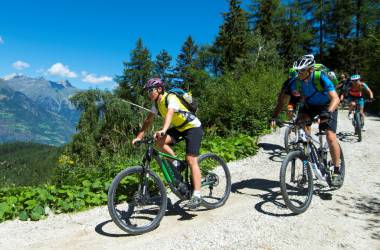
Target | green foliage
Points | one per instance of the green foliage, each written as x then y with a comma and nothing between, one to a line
186,62
232,42
240,103
162,66
136,73
230,148
23,163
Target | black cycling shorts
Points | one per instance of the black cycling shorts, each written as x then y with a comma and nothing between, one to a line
192,137
313,111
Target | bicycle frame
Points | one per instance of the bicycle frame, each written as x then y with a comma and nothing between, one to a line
313,153
153,153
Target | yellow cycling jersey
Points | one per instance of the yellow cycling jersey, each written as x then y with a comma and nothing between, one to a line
183,119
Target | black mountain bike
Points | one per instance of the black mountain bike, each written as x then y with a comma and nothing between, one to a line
301,165
137,198
358,121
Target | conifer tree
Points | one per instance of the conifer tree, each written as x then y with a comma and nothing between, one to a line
234,36
136,73
162,66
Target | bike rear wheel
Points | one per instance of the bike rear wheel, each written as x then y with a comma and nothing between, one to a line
290,138
216,180
296,182
137,200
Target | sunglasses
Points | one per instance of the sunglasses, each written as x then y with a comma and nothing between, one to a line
301,71
150,90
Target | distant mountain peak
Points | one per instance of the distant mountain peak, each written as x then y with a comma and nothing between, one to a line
13,76
66,83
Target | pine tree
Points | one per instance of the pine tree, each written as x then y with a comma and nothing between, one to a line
162,66
233,39
136,73
186,62
263,17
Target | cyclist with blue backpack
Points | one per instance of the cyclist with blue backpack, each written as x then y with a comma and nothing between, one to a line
175,110
320,98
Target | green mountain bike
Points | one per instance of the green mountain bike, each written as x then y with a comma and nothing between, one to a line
137,197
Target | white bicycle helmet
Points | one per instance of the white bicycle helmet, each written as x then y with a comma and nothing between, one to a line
331,75
304,62
355,77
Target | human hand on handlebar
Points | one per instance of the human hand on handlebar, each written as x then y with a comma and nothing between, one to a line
137,139
159,134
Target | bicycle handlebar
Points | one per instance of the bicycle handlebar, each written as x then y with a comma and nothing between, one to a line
148,140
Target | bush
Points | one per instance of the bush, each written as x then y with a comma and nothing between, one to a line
241,104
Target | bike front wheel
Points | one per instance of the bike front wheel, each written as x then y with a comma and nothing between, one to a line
358,126
137,200
296,182
216,180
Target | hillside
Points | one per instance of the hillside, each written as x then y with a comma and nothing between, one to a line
36,110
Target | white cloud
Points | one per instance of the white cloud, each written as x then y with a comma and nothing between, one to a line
1,40
19,65
91,78
59,69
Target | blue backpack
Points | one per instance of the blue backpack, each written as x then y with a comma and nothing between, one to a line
185,98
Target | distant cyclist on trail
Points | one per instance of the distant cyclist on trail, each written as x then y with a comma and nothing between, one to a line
185,126
355,96
320,99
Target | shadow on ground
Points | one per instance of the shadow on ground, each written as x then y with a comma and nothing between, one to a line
175,209
277,153
365,208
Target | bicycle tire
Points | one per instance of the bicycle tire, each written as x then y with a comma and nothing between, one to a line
287,134
287,192
215,173
123,219
358,126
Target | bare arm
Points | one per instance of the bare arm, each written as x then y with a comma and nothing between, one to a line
168,120
281,100
334,101
370,93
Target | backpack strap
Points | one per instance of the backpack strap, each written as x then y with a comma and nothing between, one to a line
318,81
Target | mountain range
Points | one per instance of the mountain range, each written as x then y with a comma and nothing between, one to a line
36,109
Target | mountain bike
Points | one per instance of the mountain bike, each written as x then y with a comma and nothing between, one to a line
358,121
308,161
137,197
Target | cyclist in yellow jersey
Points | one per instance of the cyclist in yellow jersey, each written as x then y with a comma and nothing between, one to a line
185,126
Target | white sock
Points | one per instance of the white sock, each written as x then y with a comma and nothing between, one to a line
176,163
197,193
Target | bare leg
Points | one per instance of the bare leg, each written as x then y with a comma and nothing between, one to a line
195,171
163,144
334,147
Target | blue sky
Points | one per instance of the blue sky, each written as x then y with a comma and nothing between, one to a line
87,41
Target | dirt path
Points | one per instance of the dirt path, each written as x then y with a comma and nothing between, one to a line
254,217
